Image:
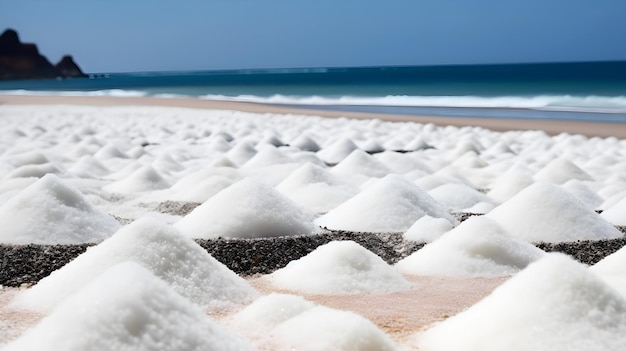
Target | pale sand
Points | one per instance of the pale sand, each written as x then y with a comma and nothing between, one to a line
551,127
402,314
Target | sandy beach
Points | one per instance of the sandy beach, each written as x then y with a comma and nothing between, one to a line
591,129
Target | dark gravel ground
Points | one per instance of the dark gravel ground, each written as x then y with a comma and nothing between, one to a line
27,264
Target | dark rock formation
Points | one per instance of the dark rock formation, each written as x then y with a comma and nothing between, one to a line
68,68
23,61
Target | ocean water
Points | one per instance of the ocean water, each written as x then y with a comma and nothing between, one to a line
594,91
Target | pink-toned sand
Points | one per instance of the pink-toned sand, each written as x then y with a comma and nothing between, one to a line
551,127
400,314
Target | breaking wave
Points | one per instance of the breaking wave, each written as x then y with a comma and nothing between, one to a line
596,104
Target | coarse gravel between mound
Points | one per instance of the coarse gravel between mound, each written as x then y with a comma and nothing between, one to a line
24,265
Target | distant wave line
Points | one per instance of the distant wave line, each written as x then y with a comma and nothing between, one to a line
562,103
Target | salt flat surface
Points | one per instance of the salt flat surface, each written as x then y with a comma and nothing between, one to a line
73,174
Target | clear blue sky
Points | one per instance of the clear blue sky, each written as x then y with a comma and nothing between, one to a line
154,35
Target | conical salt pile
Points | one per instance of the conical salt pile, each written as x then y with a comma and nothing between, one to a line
611,270
288,322
339,267
145,178
392,204
177,260
51,212
246,209
478,247
127,308
616,214
554,304
546,212
560,170
315,188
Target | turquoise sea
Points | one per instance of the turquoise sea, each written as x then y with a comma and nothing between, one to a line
594,91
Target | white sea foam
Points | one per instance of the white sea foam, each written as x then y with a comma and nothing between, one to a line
599,104
107,92
566,103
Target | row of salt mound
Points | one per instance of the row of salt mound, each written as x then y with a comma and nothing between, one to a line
127,308
554,304
289,322
177,260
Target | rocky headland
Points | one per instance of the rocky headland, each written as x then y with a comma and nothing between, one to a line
23,61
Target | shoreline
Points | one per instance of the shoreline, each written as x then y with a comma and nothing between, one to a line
552,127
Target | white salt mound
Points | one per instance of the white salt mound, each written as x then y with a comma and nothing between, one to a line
50,211
459,196
339,267
127,308
336,152
583,193
37,171
611,270
391,204
546,212
246,209
509,184
143,179
289,322
268,311
314,188
478,247
428,229
177,260
616,214
560,170
360,163
323,328
554,304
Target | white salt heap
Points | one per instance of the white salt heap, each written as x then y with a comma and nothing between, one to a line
616,214
478,247
546,212
288,322
127,308
177,260
323,328
554,304
51,212
561,170
359,163
339,267
427,229
268,311
145,178
246,209
391,204
337,151
611,270
316,189
459,197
